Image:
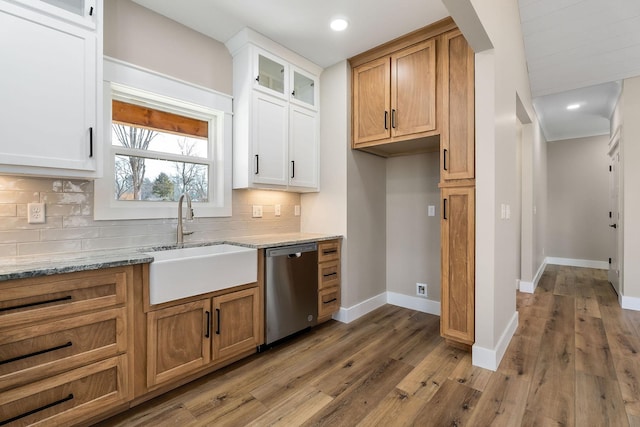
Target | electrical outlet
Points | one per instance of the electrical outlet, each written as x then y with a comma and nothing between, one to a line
35,213
296,210
431,210
278,210
257,211
421,289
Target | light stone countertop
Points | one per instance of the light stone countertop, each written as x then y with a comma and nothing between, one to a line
20,267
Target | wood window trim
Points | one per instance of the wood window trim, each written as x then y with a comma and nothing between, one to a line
132,114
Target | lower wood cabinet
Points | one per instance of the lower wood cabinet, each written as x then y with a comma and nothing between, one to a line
458,265
185,338
328,279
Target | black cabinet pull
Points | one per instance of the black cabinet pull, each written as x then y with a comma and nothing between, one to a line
444,159
36,353
293,168
293,93
218,321
33,304
329,274
90,142
257,169
258,78
329,251
330,301
91,11
35,411
444,209
613,225
393,118
208,333
386,119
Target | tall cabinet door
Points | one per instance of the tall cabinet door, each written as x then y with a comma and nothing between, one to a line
270,139
458,264
372,101
303,147
457,141
413,89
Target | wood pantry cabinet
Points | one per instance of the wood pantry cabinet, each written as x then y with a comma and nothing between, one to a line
328,279
276,116
50,119
186,337
66,346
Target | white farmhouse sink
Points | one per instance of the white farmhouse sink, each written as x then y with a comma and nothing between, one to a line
185,272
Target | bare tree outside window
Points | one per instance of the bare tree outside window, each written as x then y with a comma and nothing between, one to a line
139,138
191,177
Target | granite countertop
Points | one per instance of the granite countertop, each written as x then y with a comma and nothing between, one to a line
20,267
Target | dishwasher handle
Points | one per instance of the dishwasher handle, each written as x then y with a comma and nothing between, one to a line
292,251
296,255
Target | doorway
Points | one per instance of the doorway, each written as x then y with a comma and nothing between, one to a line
615,244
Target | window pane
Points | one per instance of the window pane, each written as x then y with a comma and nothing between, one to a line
148,139
138,178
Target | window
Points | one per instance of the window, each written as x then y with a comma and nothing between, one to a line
158,147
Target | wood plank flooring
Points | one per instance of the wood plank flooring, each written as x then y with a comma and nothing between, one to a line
572,362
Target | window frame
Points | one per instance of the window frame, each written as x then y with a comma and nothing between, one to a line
129,83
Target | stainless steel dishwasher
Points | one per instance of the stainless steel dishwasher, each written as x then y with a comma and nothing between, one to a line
291,283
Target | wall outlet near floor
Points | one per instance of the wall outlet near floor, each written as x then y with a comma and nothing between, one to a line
35,213
296,210
278,210
257,211
421,289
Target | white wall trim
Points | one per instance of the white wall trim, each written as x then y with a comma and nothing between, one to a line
414,303
630,303
490,358
603,265
530,287
348,315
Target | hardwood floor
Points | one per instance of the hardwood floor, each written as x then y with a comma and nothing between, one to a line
572,362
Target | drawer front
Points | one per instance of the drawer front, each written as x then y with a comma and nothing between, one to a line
29,354
328,301
329,250
329,274
27,301
67,398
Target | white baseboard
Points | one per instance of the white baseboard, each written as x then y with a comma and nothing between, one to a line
602,265
414,303
530,287
630,303
490,358
348,315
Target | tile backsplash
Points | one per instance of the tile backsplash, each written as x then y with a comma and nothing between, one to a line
70,226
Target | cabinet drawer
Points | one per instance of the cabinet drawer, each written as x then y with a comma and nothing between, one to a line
328,274
329,251
27,301
328,301
67,398
29,354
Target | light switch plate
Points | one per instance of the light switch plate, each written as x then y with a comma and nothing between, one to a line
35,213
432,210
296,210
278,210
257,211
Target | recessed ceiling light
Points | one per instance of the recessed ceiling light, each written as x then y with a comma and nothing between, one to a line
339,24
573,106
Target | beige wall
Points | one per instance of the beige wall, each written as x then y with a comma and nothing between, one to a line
413,237
578,198
137,35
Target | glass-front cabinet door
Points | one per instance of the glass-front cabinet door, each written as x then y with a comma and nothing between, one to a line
304,88
78,11
271,74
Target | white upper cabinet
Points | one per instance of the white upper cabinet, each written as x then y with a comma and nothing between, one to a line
52,64
276,119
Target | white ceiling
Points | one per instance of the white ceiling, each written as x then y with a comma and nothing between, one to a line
570,44
574,50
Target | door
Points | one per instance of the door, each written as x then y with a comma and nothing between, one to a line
303,147
372,101
270,140
413,89
237,323
458,264
614,215
178,341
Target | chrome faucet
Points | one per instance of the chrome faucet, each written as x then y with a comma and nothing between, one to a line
180,230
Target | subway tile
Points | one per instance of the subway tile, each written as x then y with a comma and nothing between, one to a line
79,209
19,197
69,234
77,186
16,236
66,198
8,210
19,183
128,242
8,250
20,223
41,248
